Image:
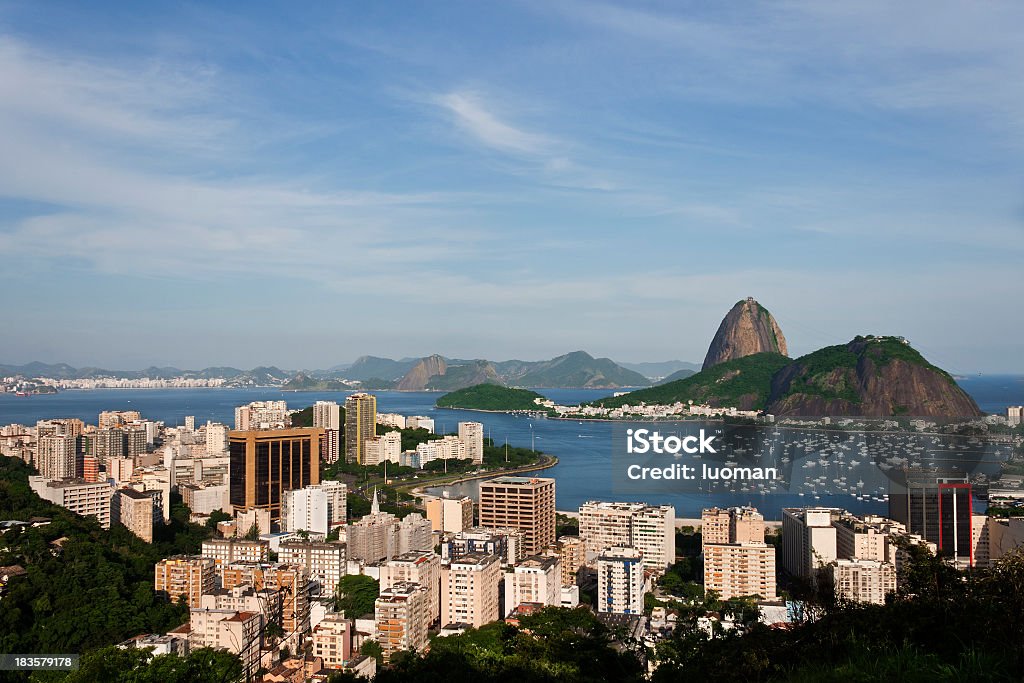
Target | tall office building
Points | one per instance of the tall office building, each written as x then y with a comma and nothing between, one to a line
620,581
736,570
938,508
360,425
524,503
469,590
265,464
402,615
649,529
56,456
472,434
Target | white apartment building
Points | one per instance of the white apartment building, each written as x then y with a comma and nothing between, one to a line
316,509
620,581
402,616
89,499
391,420
808,540
56,456
537,579
469,590
384,448
423,568
224,551
262,415
446,448
324,562
649,529
863,580
472,434
327,415
420,422
216,435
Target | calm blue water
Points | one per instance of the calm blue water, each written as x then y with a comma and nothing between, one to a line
584,449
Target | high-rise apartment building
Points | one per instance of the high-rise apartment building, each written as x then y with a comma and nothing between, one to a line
89,499
736,570
620,581
323,561
360,425
1014,415
216,435
402,615
731,525
422,568
184,578
863,580
190,423
472,434
225,551
450,514
506,543
469,590
332,641
109,419
537,580
524,503
236,632
109,443
292,580
56,456
262,415
572,553
265,464
327,416
808,540
384,448
649,529
136,510
316,509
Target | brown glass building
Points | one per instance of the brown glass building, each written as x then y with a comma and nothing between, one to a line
266,463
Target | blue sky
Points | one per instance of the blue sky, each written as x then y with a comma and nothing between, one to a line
259,184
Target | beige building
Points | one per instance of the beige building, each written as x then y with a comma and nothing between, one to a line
649,529
109,419
620,581
332,641
859,540
360,425
524,503
236,632
135,510
402,615
450,514
537,579
736,570
423,568
230,550
324,562
863,580
56,456
731,525
88,499
572,555
262,415
291,580
472,434
384,448
184,578
469,590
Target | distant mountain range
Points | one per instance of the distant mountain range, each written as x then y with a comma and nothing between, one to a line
435,373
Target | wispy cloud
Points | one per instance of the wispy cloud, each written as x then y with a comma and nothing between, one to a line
474,117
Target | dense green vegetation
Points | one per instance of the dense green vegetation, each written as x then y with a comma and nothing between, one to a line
96,589
116,665
744,382
554,644
490,397
357,595
678,374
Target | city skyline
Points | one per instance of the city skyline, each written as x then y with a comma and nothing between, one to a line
579,176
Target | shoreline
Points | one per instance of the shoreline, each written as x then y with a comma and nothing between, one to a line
547,461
